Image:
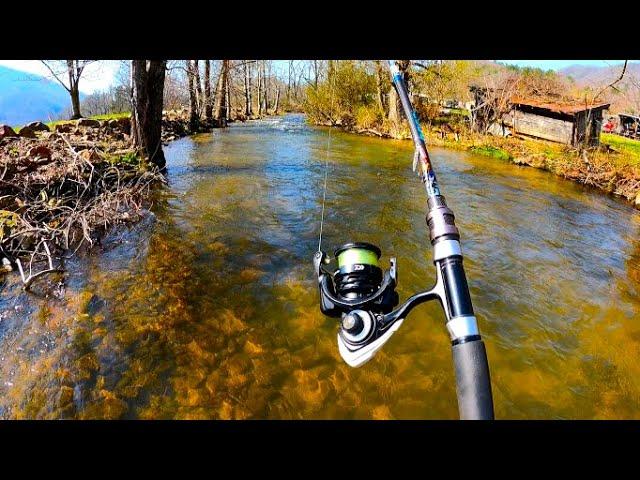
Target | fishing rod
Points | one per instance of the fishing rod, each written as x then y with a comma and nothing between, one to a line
363,296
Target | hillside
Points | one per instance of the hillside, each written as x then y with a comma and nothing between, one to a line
585,75
25,97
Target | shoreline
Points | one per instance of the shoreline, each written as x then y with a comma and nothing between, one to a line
602,169
66,185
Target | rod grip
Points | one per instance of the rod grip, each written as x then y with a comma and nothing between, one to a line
473,383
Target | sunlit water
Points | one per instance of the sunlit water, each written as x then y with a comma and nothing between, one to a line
209,308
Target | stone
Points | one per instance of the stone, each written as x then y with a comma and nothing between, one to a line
38,127
6,132
6,265
88,122
27,132
39,151
90,155
125,124
63,127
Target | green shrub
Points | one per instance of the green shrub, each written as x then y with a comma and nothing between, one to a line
337,99
369,116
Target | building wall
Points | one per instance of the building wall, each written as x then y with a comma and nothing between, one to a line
542,127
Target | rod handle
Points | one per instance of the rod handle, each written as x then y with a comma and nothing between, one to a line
473,384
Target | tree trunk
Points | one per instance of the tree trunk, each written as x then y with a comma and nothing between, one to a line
193,101
228,92
198,84
74,92
289,83
395,107
259,91
221,95
265,83
275,108
147,94
75,102
380,87
208,109
247,92
315,74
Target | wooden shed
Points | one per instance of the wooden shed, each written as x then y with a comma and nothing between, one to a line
566,122
629,125
563,122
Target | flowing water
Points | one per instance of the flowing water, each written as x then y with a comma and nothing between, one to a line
209,307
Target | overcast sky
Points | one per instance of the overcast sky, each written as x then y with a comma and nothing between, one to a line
101,75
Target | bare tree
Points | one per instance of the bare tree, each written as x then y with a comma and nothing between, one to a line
227,90
221,95
259,89
194,114
395,107
198,85
247,90
275,107
592,130
73,70
381,75
208,109
147,95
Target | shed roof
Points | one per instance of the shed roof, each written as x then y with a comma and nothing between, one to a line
568,108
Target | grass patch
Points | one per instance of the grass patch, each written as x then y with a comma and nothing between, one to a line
490,151
108,116
627,146
459,111
111,116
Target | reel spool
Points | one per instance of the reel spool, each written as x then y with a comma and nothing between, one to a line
358,273
358,283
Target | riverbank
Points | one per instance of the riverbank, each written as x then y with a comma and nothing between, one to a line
613,168
65,183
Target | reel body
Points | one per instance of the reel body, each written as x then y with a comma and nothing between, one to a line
363,296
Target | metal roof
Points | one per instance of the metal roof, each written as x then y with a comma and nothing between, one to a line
568,108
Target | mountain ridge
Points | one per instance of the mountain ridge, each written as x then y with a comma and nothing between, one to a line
26,97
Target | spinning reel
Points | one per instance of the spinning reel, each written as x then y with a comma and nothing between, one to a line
363,296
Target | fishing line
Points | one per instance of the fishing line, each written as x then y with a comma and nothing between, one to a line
326,161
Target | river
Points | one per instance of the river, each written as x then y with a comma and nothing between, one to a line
208,308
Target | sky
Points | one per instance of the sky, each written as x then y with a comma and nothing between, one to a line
101,75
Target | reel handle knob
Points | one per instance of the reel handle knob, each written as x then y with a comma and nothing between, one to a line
352,323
